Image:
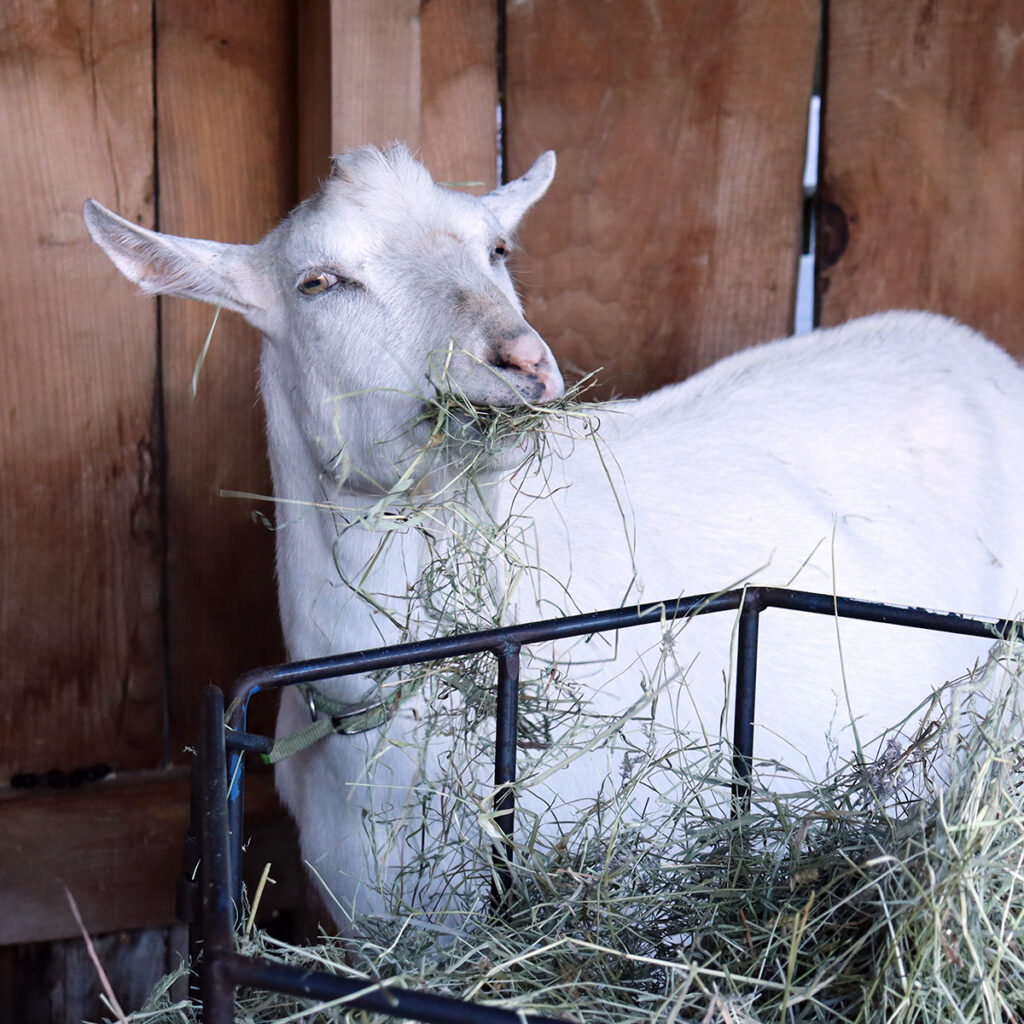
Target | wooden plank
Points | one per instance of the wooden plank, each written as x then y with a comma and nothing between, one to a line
459,90
126,837
80,533
422,74
375,72
117,845
671,231
313,89
924,162
57,983
225,83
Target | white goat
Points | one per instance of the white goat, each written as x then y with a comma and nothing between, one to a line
878,460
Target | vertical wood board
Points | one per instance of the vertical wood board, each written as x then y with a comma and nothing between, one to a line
459,92
80,537
670,236
225,89
924,163
314,107
57,983
375,72
424,74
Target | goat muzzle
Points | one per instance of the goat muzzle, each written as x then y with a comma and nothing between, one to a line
529,356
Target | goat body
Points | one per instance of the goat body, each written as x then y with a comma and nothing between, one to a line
875,460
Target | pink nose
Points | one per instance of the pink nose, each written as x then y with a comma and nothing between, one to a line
527,354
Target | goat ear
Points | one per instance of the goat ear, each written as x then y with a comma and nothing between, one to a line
161,264
509,202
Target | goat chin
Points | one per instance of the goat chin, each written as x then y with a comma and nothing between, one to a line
877,460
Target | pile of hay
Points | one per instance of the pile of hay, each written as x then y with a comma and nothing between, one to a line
889,892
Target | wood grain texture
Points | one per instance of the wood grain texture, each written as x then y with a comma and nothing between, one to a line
57,983
375,73
924,162
126,840
117,845
459,91
420,73
225,89
669,237
313,93
80,537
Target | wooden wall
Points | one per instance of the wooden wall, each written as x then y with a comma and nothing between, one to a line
669,238
126,582
924,162
680,130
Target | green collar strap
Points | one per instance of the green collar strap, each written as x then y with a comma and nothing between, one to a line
333,717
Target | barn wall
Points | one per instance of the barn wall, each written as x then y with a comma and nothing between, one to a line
225,94
80,527
680,131
670,238
126,582
923,172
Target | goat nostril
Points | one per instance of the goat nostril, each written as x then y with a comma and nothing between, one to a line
523,353
517,365
554,387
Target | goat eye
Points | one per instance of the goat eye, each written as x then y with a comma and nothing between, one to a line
316,283
325,281
499,251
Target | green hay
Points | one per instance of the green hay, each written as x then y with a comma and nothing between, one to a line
890,892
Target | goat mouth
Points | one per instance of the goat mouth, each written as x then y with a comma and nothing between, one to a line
495,429
528,386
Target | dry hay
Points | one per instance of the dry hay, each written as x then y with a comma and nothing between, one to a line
890,892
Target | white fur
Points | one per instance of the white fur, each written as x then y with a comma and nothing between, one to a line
879,460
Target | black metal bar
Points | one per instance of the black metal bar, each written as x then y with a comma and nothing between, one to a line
398,1002
237,742
335,666
248,742
877,611
234,760
506,732
743,715
352,663
216,988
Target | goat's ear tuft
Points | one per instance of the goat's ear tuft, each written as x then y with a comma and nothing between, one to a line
509,202
192,268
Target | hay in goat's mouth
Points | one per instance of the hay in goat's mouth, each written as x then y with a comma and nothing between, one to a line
483,431
890,892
